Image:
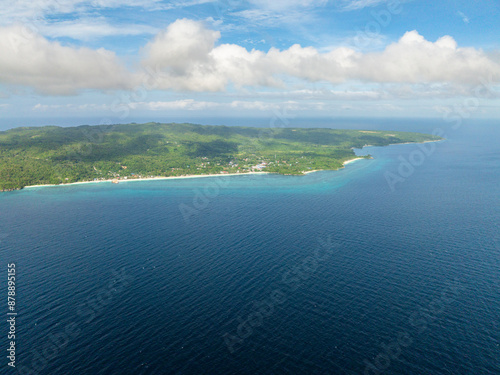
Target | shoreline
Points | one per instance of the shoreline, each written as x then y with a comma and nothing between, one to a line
179,177
149,179
343,165
351,160
416,143
205,175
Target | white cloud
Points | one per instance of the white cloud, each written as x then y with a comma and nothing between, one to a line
360,4
255,105
363,41
261,18
185,104
201,105
38,8
464,17
32,13
289,12
188,58
182,53
88,29
121,3
339,94
47,17
285,5
29,59
415,60
72,107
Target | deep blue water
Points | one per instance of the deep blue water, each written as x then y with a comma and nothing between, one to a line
330,273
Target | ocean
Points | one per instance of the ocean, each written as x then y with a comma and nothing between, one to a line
388,266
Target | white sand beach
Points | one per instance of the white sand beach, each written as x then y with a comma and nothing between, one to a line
351,160
120,181
194,176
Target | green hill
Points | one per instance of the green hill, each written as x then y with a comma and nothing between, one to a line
55,155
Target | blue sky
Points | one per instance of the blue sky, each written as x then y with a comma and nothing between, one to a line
196,59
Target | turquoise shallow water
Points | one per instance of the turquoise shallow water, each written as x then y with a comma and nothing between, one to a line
330,273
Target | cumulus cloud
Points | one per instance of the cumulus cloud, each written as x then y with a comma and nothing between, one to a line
185,57
413,59
188,58
183,53
29,59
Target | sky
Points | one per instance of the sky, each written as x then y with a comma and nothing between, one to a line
105,61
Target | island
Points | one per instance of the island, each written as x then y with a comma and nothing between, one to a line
52,155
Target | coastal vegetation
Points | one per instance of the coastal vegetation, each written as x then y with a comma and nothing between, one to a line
58,155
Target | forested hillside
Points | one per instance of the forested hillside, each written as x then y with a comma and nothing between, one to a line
55,155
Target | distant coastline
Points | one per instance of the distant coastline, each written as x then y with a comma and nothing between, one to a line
205,175
54,156
119,181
